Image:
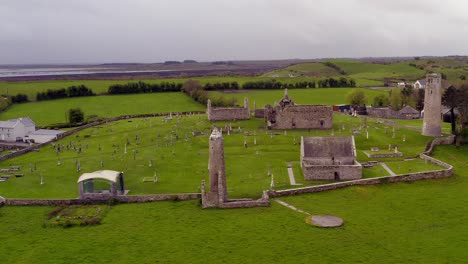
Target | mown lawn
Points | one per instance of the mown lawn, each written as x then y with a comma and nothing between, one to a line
420,222
326,96
55,111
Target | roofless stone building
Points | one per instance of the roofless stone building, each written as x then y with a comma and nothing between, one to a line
288,115
228,113
329,158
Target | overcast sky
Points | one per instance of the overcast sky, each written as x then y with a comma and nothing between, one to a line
97,31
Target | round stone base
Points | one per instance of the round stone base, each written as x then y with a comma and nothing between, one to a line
324,221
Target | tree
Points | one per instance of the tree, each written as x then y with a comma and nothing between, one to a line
462,106
406,93
418,98
450,100
396,100
381,100
75,116
357,98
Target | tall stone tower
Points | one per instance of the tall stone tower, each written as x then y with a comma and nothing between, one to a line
432,106
217,193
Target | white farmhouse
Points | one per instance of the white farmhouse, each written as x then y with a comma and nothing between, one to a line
16,129
420,84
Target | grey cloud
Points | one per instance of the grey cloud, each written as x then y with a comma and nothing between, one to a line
89,31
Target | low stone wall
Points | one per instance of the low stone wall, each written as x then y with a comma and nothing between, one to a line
446,140
383,155
245,204
121,198
447,172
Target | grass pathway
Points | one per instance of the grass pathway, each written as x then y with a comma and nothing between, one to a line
291,207
387,169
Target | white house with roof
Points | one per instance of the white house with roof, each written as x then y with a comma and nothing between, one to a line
16,129
420,84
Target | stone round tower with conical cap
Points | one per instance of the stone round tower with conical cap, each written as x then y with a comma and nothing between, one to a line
432,106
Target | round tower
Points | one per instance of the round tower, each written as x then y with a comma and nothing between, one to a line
432,106
216,164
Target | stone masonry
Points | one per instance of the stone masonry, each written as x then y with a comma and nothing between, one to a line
432,106
217,195
329,158
228,113
287,115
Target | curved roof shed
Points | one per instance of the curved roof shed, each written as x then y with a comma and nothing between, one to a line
109,175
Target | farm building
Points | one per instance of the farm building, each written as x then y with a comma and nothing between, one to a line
16,129
406,112
420,84
329,158
42,136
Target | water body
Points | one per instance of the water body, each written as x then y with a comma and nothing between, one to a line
6,72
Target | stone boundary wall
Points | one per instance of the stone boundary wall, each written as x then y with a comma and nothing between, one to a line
449,139
72,131
120,198
383,155
447,172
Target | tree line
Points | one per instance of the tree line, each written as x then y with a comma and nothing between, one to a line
72,91
197,92
142,87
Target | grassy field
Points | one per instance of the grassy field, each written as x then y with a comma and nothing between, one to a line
180,160
101,86
311,69
327,96
421,222
55,111
374,71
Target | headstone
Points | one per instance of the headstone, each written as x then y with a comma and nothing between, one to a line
404,138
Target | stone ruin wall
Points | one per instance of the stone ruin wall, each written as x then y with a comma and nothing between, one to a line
327,172
382,112
389,113
302,117
228,113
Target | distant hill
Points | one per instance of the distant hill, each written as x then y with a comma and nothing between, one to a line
378,72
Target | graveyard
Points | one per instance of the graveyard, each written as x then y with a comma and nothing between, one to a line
169,154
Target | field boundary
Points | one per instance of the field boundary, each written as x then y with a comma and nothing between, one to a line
409,177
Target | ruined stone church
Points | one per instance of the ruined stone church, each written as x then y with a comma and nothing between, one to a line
288,115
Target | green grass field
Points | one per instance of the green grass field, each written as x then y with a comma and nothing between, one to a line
181,162
374,71
101,86
311,69
327,96
420,222
55,111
